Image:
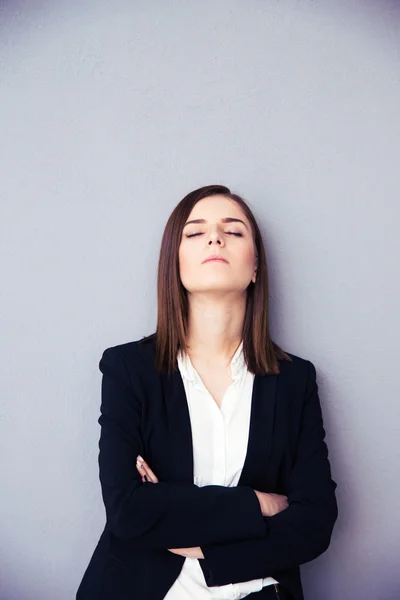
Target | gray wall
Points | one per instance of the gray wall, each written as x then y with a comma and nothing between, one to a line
110,113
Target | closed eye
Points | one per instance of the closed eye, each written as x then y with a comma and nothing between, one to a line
230,232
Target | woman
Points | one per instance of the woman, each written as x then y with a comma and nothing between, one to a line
213,466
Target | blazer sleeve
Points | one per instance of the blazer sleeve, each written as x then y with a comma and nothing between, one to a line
162,515
303,530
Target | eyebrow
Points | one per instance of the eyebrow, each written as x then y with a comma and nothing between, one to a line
224,220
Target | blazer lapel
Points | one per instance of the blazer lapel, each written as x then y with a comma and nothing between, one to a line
180,441
255,468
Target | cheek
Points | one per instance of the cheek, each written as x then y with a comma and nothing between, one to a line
186,262
247,258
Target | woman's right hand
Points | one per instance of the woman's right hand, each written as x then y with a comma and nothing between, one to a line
271,503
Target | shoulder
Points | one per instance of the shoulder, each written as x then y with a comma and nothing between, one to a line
297,362
298,369
132,355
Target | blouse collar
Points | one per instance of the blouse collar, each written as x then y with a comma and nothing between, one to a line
187,370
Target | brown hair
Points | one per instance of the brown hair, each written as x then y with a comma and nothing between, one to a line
260,352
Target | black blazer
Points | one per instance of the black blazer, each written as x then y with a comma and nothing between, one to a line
144,412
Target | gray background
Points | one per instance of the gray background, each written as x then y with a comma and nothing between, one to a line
110,113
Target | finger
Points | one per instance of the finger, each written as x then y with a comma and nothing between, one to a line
147,475
150,474
179,551
144,469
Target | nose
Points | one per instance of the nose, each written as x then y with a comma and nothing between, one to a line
215,236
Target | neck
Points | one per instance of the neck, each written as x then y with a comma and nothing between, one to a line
215,325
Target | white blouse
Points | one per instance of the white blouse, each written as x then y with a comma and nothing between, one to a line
220,438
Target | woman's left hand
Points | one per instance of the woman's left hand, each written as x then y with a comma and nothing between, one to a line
148,475
195,552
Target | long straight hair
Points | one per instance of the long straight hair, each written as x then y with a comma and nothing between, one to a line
260,353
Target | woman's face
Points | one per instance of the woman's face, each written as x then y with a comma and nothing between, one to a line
233,241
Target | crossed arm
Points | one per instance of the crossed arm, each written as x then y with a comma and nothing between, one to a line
238,543
270,504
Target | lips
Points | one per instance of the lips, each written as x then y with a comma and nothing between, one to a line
215,258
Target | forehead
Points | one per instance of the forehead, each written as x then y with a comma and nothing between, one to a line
217,207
